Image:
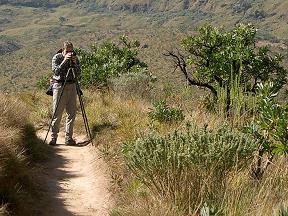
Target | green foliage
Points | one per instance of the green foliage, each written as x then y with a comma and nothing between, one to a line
109,60
220,56
269,127
242,104
181,164
43,82
270,124
163,113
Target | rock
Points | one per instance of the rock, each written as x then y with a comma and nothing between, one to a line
259,14
62,19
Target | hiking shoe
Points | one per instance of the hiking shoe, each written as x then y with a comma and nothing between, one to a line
70,142
52,142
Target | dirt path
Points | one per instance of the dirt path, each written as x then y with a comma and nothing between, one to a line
77,182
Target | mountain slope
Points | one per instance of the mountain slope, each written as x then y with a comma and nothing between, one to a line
31,30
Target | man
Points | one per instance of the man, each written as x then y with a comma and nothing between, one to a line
65,64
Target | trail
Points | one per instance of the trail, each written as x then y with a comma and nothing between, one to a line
76,182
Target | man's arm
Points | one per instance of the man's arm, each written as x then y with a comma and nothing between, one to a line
57,65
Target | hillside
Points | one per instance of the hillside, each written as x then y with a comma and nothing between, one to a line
216,147
31,30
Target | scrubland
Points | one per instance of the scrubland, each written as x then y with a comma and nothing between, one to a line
200,164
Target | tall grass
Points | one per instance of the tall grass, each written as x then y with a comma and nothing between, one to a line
39,107
192,170
19,150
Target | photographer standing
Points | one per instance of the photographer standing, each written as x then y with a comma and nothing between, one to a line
65,65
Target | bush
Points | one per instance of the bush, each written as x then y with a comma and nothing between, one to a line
269,127
43,82
109,60
183,164
133,85
163,113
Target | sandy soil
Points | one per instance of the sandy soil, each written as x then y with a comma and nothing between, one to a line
77,182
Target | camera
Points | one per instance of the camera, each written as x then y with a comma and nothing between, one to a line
73,53
70,60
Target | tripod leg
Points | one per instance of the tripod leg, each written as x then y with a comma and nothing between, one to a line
81,106
86,121
84,113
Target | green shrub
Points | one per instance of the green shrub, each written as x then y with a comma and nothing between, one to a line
43,82
109,60
271,121
269,126
183,164
163,113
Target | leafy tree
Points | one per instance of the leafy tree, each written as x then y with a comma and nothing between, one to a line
218,57
109,60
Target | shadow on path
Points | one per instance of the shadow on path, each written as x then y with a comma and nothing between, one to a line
53,178
75,181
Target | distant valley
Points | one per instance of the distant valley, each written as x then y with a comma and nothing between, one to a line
32,30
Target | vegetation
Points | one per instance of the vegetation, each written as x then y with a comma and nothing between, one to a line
269,126
20,150
218,58
163,113
175,166
214,160
25,36
109,60
213,165
216,165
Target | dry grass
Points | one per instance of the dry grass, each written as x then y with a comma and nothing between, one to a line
247,196
19,149
146,206
117,119
39,106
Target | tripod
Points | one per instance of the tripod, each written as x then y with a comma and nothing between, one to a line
80,94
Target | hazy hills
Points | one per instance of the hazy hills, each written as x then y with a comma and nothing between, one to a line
31,30
34,3
258,9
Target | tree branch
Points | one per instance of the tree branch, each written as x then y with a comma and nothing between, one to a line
180,62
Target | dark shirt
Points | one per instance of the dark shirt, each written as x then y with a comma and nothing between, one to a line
60,69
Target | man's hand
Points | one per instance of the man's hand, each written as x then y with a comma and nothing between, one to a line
68,56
